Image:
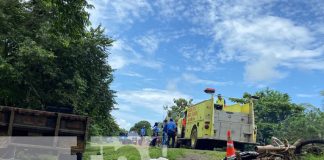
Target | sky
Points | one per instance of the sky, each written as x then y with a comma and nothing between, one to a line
168,49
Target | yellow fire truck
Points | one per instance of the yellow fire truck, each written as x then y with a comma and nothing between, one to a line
204,125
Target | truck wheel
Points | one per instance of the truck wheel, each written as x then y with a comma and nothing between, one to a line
193,137
178,144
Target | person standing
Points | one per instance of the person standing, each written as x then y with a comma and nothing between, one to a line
143,133
220,101
165,132
156,129
171,130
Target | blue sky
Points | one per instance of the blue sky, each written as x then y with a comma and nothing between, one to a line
168,49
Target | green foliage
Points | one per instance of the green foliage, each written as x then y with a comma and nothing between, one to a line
313,157
308,125
179,105
49,55
137,127
245,99
276,115
122,131
271,110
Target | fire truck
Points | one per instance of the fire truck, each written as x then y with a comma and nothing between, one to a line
204,125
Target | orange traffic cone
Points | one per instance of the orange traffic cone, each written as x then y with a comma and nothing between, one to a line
230,151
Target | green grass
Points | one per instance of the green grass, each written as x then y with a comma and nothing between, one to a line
313,157
131,153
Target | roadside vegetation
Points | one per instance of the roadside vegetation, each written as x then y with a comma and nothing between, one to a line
51,55
131,153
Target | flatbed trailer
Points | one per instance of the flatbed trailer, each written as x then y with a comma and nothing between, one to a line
17,123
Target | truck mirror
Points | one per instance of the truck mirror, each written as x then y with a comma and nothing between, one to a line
255,97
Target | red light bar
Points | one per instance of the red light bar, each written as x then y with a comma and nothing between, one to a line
209,90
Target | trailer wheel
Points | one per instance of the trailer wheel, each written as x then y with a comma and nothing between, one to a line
193,137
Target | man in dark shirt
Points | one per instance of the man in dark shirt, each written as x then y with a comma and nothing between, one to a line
171,129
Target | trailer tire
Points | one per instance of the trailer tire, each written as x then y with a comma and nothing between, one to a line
194,138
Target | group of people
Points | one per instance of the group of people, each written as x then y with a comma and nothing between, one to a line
169,128
169,132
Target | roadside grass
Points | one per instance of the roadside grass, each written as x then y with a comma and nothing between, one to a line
131,153
313,157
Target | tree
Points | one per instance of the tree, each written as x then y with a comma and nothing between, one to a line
271,110
245,98
179,105
308,125
50,55
137,127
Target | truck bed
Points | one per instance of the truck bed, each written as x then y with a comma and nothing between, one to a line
19,122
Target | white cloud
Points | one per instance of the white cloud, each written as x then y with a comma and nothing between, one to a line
265,44
123,123
170,9
119,10
172,84
132,74
124,107
269,45
149,43
201,59
149,99
190,78
119,13
126,120
151,40
123,55
263,70
117,62
303,95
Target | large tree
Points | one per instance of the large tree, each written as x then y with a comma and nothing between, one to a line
137,127
308,125
50,55
272,109
178,106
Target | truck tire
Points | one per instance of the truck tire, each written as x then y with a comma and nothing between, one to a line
193,138
178,144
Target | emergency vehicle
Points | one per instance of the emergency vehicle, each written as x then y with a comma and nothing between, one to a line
204,125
